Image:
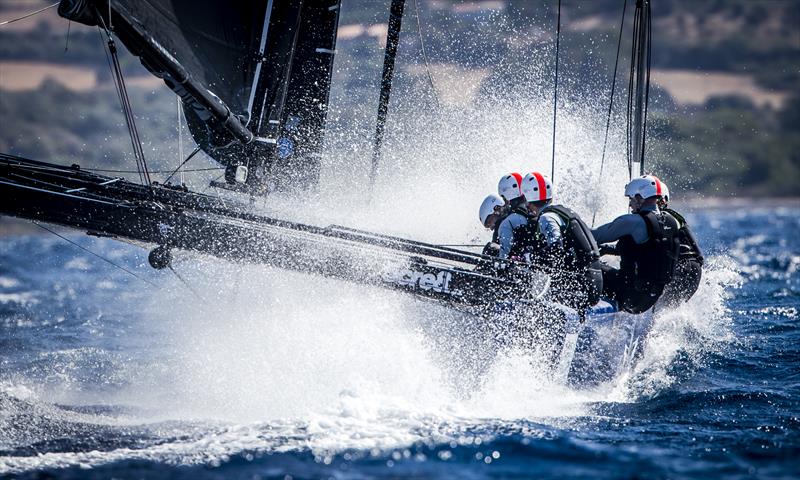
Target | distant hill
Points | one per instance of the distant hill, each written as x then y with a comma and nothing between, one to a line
726,78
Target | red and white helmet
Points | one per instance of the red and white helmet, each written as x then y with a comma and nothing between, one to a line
509,186
488,207
537,187
664,192
646,186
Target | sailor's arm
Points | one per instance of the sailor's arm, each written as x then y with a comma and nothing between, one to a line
632,225
550,228
505,237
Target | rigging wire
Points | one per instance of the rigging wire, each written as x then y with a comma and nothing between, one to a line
93,253
27,15
66,41
104,170
425,56
555,96
473,245
611,102
182,164
179,108
187,285
127,110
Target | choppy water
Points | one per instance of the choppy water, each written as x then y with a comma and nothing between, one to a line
276,374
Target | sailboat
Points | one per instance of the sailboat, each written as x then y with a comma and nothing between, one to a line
254,79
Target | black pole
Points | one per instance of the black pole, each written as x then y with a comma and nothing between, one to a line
555,97
392,39
641,61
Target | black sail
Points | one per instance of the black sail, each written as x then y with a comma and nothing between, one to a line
254,75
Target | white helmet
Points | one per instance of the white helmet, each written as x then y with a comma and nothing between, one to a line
490,203
509,186
537,187
646,186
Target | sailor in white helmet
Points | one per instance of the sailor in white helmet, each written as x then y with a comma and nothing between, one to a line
491,213
647,244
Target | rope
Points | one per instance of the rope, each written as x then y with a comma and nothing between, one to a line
125,102
186,284
425,56
611,102
629,111
66,41
182,164
95,254
27,15
555,97
136,141
102,170
179,115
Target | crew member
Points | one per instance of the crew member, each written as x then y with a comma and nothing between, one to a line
510,189
491,213
689,267
554,240
647,243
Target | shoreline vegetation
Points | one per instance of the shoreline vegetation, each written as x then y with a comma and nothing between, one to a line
724,112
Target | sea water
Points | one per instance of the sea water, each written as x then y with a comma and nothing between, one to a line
250,372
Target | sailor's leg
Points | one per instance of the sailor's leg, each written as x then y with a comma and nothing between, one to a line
613,284
685,282
618,288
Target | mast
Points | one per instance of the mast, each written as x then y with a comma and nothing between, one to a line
392,40
639,88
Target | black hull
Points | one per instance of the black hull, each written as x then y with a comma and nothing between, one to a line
179,219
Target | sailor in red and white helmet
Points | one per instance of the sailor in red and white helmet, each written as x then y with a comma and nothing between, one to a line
647,244
523,223
510,188
553,239
689,267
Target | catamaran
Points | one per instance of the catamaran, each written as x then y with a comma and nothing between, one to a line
254,80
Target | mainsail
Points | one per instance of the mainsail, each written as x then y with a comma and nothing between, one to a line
254,75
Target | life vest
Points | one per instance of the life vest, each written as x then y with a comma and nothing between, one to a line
650,265
527,239
579,256
689,267
500,217
578,239
689,246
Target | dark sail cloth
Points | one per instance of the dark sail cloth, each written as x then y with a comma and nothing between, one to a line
645,266
689,267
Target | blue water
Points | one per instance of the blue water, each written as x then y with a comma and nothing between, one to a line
248,372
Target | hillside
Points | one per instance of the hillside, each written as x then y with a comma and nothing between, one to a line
726,80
